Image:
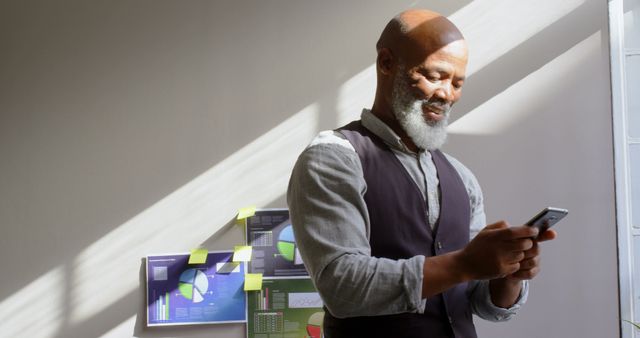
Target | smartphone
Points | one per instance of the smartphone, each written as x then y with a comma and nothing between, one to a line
546,218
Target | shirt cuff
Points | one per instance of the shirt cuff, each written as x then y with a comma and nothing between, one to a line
499,314
413,284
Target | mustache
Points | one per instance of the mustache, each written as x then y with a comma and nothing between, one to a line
437,105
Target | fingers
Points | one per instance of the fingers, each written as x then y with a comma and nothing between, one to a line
511,269
513,257
547,236
500,250
522,231
528,264
533,252
505,232
524,244
529,268
526,274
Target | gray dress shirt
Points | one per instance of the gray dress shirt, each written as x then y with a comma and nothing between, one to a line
331,225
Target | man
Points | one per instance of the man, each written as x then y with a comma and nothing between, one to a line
383,219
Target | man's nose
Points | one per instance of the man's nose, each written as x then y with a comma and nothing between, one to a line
444,92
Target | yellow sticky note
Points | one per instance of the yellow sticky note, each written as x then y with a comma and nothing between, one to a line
253,282
242,253
198,256
246,212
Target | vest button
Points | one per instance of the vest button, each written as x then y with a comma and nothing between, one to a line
439,245
450,320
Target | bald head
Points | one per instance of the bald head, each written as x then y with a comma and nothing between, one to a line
417,33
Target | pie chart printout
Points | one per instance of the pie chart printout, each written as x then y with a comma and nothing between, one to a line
180,293
314,326
287,246
193,285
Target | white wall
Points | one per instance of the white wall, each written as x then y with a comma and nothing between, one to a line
130,128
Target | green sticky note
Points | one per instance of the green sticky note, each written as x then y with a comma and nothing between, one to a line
246,212
253,282
242,253
198,256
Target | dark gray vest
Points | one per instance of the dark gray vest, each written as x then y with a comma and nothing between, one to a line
399,230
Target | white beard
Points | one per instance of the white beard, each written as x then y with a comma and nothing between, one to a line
407,109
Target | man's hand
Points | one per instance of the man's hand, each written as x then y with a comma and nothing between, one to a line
505,291
499,251
504,254
530,265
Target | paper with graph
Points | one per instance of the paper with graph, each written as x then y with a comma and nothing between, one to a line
275,253
285,308
179,293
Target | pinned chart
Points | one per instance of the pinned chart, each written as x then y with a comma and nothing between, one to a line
179,293
275,252
285,307
263,283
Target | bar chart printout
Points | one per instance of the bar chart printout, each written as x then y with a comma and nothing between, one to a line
285,308
179,293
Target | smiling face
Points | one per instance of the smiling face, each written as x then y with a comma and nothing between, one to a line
421,65
422,96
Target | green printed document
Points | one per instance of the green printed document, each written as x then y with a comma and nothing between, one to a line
287,308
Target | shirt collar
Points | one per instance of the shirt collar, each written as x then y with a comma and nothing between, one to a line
383,131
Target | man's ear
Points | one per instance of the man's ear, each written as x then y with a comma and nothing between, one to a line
385,61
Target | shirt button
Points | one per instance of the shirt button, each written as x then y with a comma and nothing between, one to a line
439,245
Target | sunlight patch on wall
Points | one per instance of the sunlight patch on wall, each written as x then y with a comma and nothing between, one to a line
35,310
257,174
123,329
514,103
494,27
356,93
